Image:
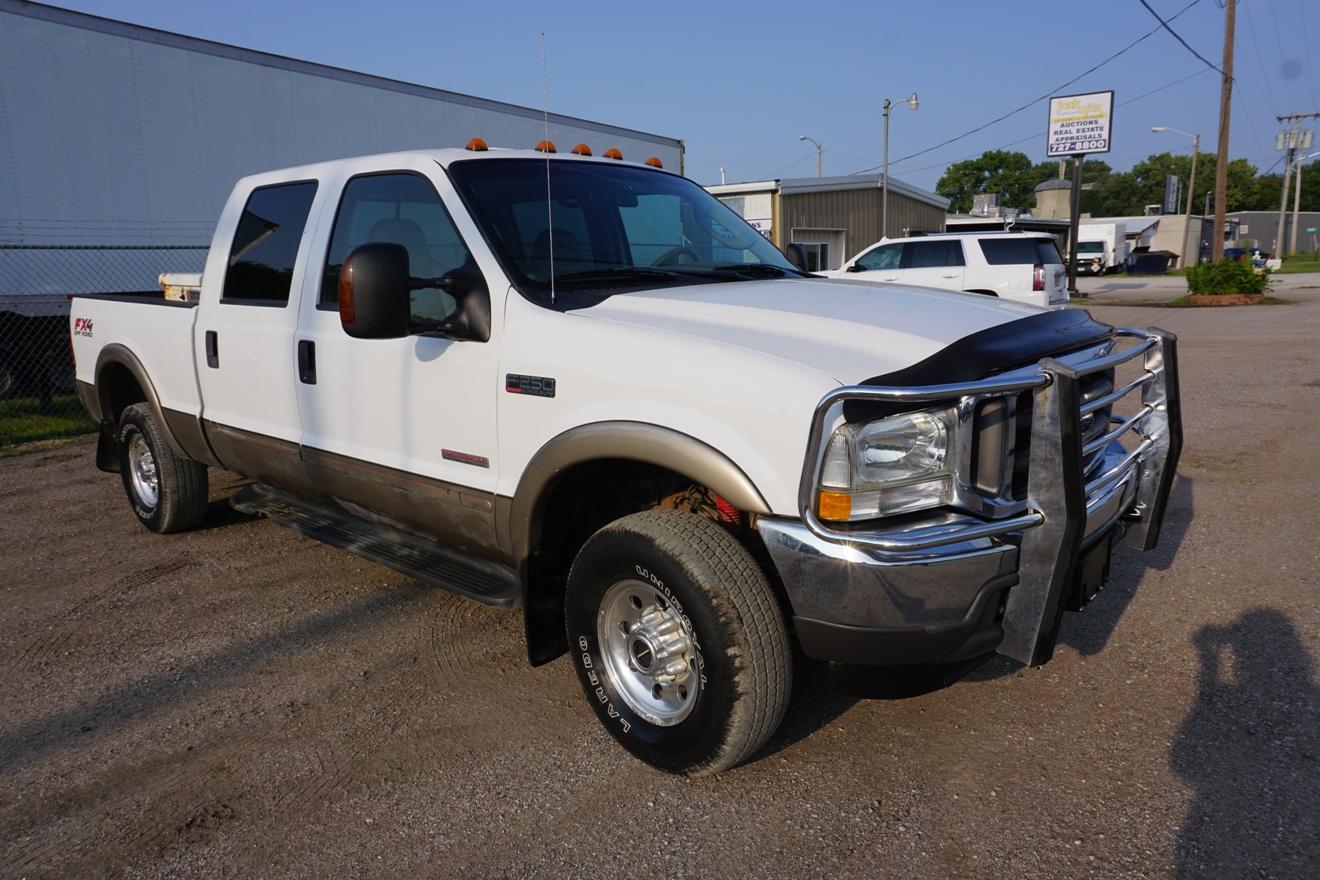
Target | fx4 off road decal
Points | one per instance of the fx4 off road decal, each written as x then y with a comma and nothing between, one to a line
82,327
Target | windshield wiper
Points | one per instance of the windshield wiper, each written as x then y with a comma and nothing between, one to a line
759,270
617,273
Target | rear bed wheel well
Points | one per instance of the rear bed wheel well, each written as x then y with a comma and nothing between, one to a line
118,390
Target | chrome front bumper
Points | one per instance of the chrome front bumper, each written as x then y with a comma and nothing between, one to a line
957,584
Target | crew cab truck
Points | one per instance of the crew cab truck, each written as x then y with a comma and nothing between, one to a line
588,388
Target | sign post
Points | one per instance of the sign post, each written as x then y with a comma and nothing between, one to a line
1079,124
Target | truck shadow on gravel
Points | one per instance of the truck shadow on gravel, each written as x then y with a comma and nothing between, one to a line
136,701
1250,751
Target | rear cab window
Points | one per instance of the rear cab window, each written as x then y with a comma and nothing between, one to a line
265,245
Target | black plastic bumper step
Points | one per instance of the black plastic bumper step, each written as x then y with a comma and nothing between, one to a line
481,580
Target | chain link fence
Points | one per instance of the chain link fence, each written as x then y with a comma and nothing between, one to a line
37,282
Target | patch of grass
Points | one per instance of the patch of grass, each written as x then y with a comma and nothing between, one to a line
1300,263
25,419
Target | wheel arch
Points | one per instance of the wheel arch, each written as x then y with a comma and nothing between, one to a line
520,520
121,381
982,292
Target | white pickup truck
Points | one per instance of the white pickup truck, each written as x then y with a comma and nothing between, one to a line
588,388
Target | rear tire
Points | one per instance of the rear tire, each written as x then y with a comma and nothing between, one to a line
679,641
167,491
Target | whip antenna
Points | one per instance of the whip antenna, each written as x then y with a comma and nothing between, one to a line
549,210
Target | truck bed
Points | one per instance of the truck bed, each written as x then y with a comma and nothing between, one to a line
156,331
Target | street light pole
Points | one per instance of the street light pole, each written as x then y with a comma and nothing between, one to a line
1191,185
803,137
884,180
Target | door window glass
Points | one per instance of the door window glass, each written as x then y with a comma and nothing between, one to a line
932,254
266,244
818,255
884,257
401,209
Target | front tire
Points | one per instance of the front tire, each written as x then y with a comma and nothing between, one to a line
167,491
679,641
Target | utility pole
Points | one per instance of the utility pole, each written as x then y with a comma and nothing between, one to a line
1292,140
1225,108
1297,203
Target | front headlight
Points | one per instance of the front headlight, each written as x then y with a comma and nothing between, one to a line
895,465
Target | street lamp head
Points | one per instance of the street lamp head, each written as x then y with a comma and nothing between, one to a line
802,137
1159,128
912,101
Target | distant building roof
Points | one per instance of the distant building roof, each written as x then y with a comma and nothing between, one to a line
796,185
1053,183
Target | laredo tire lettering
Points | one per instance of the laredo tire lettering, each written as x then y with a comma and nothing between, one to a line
710,586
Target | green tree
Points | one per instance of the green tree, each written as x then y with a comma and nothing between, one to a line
1008,172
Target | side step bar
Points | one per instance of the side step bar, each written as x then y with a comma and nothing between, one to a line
480,580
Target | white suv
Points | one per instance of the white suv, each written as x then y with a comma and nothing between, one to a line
1021,266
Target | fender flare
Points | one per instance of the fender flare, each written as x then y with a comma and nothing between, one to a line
631,441
170,421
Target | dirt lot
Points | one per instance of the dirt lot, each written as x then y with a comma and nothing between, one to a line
240,701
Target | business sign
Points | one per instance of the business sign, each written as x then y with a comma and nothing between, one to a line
1171,188
1079,124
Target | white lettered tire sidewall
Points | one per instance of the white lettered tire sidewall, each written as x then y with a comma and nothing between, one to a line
693,562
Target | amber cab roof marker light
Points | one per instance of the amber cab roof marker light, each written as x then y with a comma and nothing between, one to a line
545,147
582,150
476,145
655,162
612,153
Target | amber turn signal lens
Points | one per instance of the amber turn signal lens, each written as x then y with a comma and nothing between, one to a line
612,153
834,505
347,311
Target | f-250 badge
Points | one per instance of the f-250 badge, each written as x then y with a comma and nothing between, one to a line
537,386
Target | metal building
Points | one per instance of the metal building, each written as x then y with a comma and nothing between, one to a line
120,143
833,218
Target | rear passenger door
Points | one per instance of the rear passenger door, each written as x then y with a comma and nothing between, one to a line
937,263
243,337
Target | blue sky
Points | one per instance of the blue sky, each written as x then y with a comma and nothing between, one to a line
739,82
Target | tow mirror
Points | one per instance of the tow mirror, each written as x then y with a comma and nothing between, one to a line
374,286
856,267
797,255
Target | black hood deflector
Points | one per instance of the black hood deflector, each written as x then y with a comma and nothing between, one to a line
987,353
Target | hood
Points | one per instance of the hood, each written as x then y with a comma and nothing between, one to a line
850,330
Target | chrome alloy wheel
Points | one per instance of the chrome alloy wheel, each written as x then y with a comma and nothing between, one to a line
142,472
648,652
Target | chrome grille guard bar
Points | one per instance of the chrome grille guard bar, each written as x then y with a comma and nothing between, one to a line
1053,527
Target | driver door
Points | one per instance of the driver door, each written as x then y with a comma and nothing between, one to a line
878,264
402,427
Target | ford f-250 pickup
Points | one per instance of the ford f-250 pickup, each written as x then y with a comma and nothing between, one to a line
588,388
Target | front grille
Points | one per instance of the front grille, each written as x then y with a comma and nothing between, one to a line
1002,429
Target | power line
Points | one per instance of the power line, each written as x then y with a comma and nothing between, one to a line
1036,100
1260,59
1186,45
1039,134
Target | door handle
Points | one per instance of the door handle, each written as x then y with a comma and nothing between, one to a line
949,276
307,361
890,278
212,350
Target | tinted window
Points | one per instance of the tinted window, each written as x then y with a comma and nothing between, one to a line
884,257
1019,251
932,254
399,209
266,244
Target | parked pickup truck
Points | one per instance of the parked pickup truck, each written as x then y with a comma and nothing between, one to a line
588,388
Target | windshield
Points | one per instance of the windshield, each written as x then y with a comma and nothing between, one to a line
1090,247
608,228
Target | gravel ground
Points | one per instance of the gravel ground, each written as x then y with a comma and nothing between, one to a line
240,701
